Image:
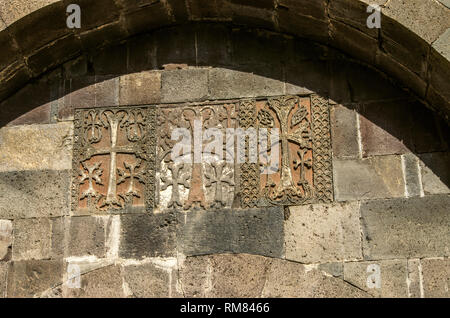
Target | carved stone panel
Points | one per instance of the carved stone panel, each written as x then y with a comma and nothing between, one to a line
200,177
113,162
300,171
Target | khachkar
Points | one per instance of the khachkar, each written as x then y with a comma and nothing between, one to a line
128,158
114,159
304,174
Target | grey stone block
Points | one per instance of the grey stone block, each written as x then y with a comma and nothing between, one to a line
436,277
412,178
258,231
400,228
377,177
87,236
435,172
32,278
392,277
104,282
224,275
144,235
184,85
150,280
38,238
344,132
227,84
323,233
27,194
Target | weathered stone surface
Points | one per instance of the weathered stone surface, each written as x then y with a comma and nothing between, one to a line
412,175
6,238
149,280
184,85
399,228
436,277
113,164
224,275
442,44
28,194
39,115
213,45
3,276
140,88
145,235
289,279
257,231
313,77
87,236
344,132
31,278
33,238
350,39
323,233
415,279
377,177
14,10
225,83
206,182
385,128
391,282
104,282
352,82
36,147
176,46
435,172
428,19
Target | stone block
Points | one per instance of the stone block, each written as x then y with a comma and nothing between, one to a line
387,278
351,40
103,282
303,26
33,238
3,278
435,172
32,278
145,235
111,60
224,276
39,115
412,175
428,19
323,233
28,194
6,238
176,46
258,231
436,277
352,82
344,132
14,10
36,147
399,228
184,85
306,77
408,79
87,236
353,13
153,280
377,177
386,128
294,280
140,88
146,18
315,9
142,52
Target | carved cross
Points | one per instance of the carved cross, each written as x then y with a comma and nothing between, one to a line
219,180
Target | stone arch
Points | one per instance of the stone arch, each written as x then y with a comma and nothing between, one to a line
410,46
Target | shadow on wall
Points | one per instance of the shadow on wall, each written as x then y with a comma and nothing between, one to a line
242,63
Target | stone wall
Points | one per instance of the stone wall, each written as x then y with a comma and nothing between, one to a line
389,203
